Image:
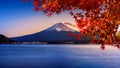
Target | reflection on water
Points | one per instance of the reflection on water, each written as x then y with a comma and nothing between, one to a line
58,56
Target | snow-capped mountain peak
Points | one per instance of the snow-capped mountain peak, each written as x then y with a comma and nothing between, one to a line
57,33
60,27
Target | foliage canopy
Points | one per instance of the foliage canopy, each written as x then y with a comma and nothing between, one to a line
101,18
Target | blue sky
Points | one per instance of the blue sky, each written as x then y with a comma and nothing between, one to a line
19,18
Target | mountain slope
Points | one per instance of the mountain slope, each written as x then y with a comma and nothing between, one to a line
57,33
5,40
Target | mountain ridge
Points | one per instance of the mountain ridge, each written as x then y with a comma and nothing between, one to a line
56,33
5,40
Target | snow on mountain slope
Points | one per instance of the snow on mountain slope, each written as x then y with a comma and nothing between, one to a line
60,27
72,26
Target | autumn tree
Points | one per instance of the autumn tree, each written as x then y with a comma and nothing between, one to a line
99,22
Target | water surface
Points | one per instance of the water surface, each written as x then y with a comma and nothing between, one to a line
58,56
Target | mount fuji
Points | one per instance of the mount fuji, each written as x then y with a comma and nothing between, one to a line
57,33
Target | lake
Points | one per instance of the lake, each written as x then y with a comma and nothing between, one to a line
58,56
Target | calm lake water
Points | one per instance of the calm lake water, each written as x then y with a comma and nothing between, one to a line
58,56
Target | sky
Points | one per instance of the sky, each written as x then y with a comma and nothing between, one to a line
19,18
